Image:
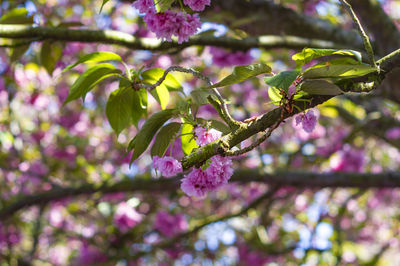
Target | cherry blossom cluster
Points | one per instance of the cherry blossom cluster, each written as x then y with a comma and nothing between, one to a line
169,23
215,174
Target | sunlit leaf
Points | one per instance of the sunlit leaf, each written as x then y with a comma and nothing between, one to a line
94,58
338,71
188,142
274,95
151,76
309,54
242,73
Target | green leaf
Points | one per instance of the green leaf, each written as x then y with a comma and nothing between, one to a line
164,138
161,94
320,87
17,52
338,71
50,53
16,16
309,54
89,79
123,107
200,96
274,95
282,80
94,58
102,5
149,129
188,142
242,73
151,76
163,5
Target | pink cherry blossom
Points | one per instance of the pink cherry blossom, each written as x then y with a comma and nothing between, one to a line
308,121
144,6
348,160
219,171
126,217
169,224
167,165
205,136
169,23
196,183
197,5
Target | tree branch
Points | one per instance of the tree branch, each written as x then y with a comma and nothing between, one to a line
271,18
266,120
153,44
144,184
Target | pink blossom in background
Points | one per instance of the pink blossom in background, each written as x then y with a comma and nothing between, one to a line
348,160
197,5
169,224
224,58
9,235
126,217
219,171
196,183
250,257
393,133
144,6
205,136
90,255
167,165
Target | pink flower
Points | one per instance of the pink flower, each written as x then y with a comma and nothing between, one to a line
196,183
199,182
126,217
308,121
170,225
167,165
219,171
169,23
205,136
223,58
197,5
348,160
90,255
144,6
393,133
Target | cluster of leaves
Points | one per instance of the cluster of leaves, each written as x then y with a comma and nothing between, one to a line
128,104
331,66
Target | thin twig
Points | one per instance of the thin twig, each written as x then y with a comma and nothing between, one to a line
364,36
